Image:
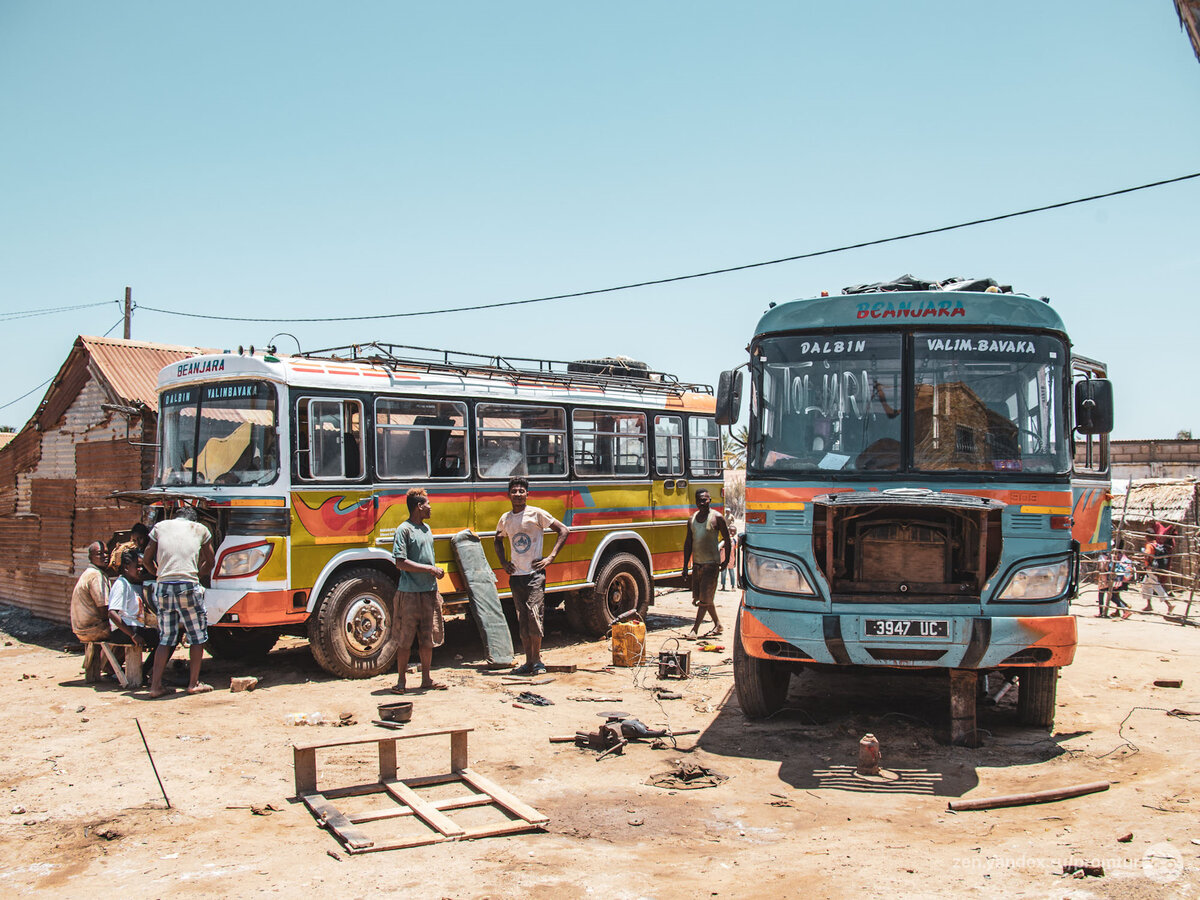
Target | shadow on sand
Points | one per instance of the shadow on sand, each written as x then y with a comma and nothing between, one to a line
815,737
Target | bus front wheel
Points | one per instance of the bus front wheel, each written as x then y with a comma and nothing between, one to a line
350,631
622,584
1036,694
762,684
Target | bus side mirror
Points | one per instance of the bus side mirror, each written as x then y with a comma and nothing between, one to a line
729,397
1094,406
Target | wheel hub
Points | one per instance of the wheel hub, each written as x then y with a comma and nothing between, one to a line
622,593
365,624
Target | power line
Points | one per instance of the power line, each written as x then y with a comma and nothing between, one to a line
30,313
27,393
640,284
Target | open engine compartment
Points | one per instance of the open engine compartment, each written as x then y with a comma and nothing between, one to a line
922,546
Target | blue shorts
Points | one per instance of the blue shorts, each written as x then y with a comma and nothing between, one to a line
181,605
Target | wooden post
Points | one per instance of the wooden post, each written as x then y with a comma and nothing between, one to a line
964,685
128,313
458,751
305,759
93,662
133,665
387,759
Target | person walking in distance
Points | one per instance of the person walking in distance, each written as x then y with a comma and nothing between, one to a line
416,604
705,531
1154,563
179,556
526,567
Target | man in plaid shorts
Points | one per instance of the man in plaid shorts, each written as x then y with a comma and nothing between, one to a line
180,552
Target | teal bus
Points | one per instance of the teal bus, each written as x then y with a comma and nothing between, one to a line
913,498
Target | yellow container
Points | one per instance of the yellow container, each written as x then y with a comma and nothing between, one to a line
629,643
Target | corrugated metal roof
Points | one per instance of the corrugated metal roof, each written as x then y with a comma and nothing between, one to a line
1171,500
130,368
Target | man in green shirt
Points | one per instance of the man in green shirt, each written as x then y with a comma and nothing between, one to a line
416,600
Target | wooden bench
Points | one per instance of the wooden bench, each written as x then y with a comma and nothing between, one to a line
94,654
406,801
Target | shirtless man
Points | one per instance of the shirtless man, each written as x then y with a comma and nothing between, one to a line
705,531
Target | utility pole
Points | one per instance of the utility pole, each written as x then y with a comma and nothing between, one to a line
128,313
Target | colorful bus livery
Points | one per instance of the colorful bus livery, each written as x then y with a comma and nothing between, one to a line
913,497
301,465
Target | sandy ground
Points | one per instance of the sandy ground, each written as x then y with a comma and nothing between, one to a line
81,810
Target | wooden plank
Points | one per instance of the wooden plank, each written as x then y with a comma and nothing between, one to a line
371,740
354,790
426,780
459,759
396,812
118,668
495,830
503,798
432,838
387,760
304,760
336,822
424,809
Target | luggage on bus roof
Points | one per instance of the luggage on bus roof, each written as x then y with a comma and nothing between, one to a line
909,283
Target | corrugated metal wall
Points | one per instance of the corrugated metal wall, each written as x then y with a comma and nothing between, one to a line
54,500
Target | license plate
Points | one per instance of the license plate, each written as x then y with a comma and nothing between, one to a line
927,628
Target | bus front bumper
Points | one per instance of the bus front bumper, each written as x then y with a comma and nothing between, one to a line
247,609
912,641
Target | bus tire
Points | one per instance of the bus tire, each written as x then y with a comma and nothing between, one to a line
622,584
350,631
1036,695
241,643
762,684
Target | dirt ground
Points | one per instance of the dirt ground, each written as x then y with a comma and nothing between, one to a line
81,808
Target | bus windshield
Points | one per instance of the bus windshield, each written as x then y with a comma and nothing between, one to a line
989,403
839,403
223,434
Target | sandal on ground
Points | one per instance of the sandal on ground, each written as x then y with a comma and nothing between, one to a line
538,669
398,689
435,686
523,669
200,689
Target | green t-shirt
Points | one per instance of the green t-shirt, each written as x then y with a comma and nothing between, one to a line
415,544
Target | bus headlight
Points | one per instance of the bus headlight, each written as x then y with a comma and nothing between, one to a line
771,574
243,561
1044,581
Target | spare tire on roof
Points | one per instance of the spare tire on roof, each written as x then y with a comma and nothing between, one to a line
610,365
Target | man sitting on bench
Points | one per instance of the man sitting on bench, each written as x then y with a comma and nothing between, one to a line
89,603
126,609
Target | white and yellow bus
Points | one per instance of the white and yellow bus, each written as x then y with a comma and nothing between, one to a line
300,465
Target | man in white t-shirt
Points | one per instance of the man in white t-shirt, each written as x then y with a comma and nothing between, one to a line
179,555
526,567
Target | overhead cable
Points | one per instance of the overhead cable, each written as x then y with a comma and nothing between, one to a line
640,284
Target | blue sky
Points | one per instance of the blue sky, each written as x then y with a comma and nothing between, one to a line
312,159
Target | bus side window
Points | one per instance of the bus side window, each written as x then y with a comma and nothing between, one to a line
668,445
329,440
609,443
704,446
520,440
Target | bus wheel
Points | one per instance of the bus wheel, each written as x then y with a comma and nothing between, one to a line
762,684
622,584
350,631
1036,693
240,643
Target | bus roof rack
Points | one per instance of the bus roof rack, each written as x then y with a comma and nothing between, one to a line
620,372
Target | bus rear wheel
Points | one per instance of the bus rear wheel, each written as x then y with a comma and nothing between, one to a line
350,631
762,684
1036,693
240,643
622,584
